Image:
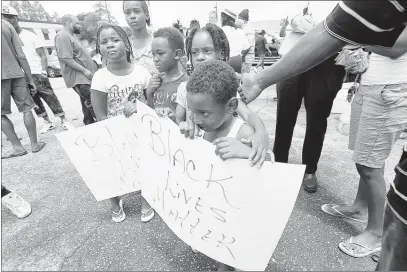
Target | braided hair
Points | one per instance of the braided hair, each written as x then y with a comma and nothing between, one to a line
122,34
220,41
144,6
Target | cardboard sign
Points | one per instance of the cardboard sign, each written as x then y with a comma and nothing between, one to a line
106,154
227,210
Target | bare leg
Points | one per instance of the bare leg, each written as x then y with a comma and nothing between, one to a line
115,206
8,129
31,126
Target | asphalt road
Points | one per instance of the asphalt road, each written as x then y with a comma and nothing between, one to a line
69,230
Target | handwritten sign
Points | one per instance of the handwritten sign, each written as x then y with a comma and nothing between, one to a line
106,154
227,210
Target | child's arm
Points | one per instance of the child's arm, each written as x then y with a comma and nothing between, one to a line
180,114
99,104
259,140
153,85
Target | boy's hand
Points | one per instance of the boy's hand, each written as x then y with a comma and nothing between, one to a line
88,74
32,87
190,129
260,144
229,148
154,84
129,108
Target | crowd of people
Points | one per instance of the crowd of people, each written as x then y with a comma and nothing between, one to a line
209,99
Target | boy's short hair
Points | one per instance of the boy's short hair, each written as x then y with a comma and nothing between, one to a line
173,36
215,77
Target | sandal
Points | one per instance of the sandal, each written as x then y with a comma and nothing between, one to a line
147,215
375,258
331,210
13,155
361,250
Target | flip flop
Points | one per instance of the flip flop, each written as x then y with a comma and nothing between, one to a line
13,155
363,250
39,149
331,210
147,215
375,258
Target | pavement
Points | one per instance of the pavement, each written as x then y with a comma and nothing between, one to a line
69,230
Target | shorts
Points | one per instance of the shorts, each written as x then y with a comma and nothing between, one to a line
378,116
16,88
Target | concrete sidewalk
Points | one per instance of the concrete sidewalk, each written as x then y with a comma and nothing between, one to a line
69,230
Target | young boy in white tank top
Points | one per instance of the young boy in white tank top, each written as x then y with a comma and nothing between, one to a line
211,97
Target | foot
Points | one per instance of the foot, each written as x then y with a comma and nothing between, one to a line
119,216
147,215
38,147
403,135
361,245
310,183
17,205
67,125
348,212
47,127
15,153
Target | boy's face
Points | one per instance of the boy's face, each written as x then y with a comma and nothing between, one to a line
163,55
203,49
206,113
111,45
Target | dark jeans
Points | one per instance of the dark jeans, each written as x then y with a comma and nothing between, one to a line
4,191
318,87
45,91
83,90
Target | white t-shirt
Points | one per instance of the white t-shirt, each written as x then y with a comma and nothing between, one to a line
182,95
249,32
30,43
237,40
121,88
385,71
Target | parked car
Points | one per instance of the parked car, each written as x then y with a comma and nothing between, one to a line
54,69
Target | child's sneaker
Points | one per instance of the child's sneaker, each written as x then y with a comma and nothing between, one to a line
67,125
119,216
146,216
47,127
16,204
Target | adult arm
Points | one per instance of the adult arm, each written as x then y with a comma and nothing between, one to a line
21,58
399,48
43,56
304,55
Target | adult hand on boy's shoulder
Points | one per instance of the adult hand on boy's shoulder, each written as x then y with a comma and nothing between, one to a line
260,146
231,148
129,108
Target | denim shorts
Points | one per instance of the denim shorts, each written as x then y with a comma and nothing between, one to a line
378,116
17,89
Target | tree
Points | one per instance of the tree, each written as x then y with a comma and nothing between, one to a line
33,11
102,10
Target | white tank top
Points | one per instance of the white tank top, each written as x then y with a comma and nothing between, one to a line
235,128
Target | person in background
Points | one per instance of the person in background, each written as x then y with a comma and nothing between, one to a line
380,26
138,18
261,45
318,87
213,17
243,19
378,116
15,66
77,66
239,45
193,24
34,51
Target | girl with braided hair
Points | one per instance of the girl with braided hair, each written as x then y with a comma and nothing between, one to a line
115,88
211,43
